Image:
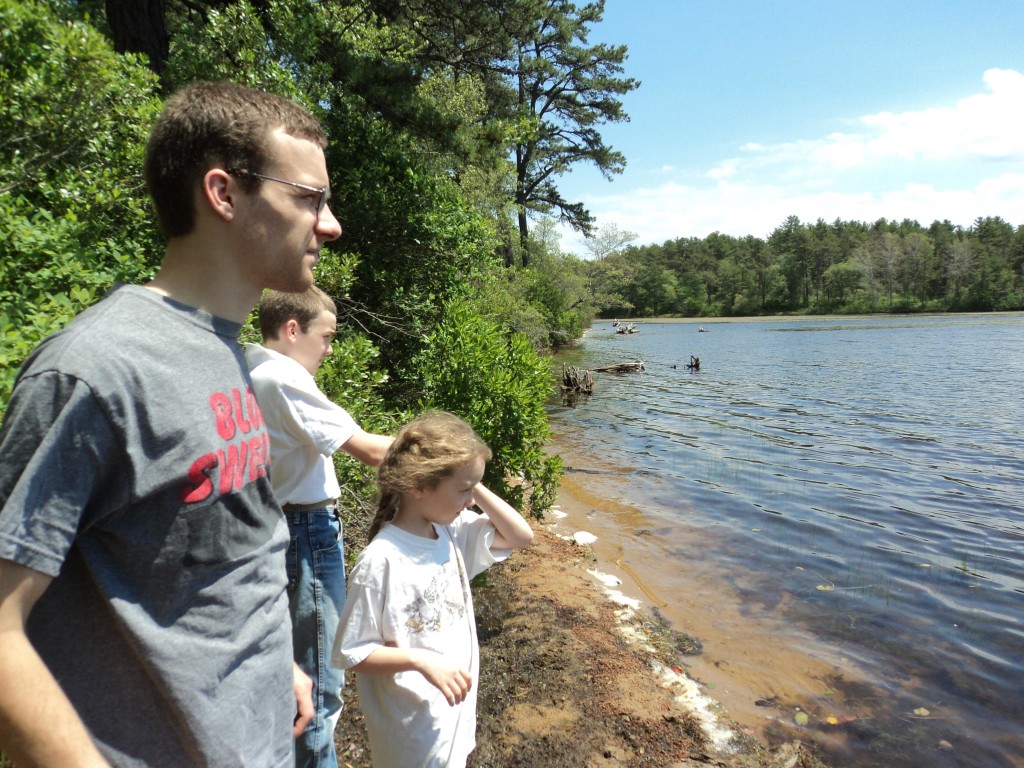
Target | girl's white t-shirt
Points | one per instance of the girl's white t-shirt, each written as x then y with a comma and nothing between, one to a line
408,591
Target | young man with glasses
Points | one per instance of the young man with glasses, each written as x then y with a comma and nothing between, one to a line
143,613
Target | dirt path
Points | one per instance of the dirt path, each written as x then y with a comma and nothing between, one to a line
570,678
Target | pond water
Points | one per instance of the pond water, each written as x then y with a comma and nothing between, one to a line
842,500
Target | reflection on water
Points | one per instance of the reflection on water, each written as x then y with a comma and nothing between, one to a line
861,480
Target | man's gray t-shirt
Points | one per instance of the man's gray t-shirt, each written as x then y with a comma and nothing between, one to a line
133,470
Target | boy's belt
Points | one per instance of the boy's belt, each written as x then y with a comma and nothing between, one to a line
309,507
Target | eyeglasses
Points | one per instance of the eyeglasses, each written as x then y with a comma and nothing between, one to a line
321,191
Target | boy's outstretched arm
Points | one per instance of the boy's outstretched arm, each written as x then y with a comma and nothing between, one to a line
450,679
367,447
513,531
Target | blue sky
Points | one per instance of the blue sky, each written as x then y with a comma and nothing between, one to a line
751,111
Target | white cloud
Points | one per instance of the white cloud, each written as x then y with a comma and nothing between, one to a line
954,162
986,125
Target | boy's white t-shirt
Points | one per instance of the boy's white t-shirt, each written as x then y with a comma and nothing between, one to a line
306,427
413,592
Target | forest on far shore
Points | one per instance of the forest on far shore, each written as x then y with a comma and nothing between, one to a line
842,267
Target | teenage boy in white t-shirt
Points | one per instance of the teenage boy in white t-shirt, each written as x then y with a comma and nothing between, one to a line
306,429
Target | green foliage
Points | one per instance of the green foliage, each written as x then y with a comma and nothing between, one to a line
420,180
843,267
228,43
565,90
550,301
418,245
499,384
73,218
350,376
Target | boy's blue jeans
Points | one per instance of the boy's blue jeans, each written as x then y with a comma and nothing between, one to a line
316,596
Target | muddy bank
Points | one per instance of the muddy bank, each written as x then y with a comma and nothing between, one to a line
572,678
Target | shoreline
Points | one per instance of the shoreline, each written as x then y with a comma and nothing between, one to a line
772,680
574,673
745,656
576,677
752,318
744,660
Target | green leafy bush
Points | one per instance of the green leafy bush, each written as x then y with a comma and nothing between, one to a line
499,384
74,215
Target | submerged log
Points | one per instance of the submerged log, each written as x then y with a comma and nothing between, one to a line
621,368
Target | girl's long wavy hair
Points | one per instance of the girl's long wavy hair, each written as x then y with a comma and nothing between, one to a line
425,451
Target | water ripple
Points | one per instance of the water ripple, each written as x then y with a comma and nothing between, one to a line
855,448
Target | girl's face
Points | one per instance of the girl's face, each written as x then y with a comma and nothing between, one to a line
443,503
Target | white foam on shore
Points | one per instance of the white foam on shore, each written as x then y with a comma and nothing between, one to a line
606,578
608,581
686,692
583,537
620,599
627,628
704,708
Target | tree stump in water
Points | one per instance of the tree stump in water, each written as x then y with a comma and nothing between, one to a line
576,380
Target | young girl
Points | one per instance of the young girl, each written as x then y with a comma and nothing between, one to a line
408,628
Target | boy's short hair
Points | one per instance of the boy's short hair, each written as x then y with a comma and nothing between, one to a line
276,308
211,124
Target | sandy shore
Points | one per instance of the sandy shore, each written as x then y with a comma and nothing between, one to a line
577,673
749,655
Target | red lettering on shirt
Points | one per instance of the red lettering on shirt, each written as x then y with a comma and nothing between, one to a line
240,420
199,476
221,405
259,447
241,462
233,462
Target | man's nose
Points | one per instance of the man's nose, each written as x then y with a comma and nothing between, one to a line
327,226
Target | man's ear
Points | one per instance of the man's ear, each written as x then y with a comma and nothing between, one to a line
219,191
291,329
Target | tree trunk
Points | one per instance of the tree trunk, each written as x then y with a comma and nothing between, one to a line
139,26
524,235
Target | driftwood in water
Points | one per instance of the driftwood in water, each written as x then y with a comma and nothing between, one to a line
627,328
576,380
694,364
621,368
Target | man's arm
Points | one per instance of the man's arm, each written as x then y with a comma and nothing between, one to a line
302,685
367,447
38,724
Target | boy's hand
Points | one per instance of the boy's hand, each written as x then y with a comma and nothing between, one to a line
451,680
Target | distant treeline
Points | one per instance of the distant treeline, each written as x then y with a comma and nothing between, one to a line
842,267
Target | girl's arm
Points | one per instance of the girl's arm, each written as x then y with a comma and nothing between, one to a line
512,530
450,679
